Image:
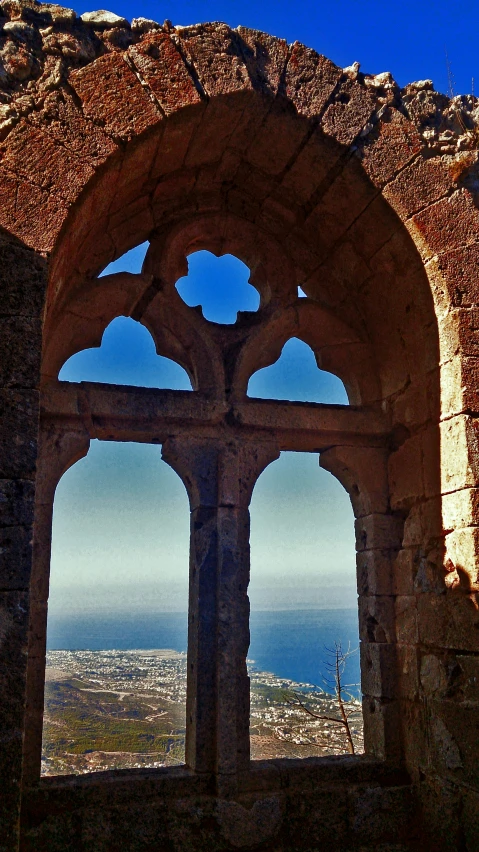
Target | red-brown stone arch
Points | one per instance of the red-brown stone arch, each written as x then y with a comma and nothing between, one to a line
236,129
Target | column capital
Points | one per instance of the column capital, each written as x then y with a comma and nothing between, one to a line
218,472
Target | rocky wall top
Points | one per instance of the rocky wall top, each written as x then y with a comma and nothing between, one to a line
40,43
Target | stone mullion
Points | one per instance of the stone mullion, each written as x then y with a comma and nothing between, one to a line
219,477
202,618
196,462
232,643
240,464
218,640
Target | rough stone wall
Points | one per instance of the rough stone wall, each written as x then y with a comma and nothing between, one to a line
23,282
367,196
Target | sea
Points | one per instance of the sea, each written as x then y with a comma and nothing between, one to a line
296,645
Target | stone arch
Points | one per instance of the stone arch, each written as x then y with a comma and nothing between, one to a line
215,134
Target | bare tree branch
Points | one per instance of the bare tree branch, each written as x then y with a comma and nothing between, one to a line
342,696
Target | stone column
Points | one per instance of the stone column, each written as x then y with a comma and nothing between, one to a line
219,477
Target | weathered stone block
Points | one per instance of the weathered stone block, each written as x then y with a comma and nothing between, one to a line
217,129
449,620
414,405
463,679
69,128
460,445
36,157
161,66
176,135
217,58
18,433
420,184
406,477
448,224
462,548
112,96
403,572
19,205
378,531
414,738
376,619
382,733
350,110
278,140
16,502
343,201
381,814
379,674
458,327
407,671
459,386
24,276
315,161
310,80
374,228
388,147
375,571
458,268
453,730
15,557
442,676
20,349
423,524
406,619
265,57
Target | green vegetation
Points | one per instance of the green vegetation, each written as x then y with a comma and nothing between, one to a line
269,693
80,720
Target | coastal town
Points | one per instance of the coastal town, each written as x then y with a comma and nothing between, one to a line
126,709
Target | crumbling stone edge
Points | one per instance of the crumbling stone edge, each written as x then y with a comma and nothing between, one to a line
40,43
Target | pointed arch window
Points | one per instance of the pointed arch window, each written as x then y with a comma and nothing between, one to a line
219,440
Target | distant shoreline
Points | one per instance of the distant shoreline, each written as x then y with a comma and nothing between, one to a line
291,643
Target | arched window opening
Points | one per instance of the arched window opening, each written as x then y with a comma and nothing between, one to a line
131,261
295,376
220,285
127,356
117,623
303,606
